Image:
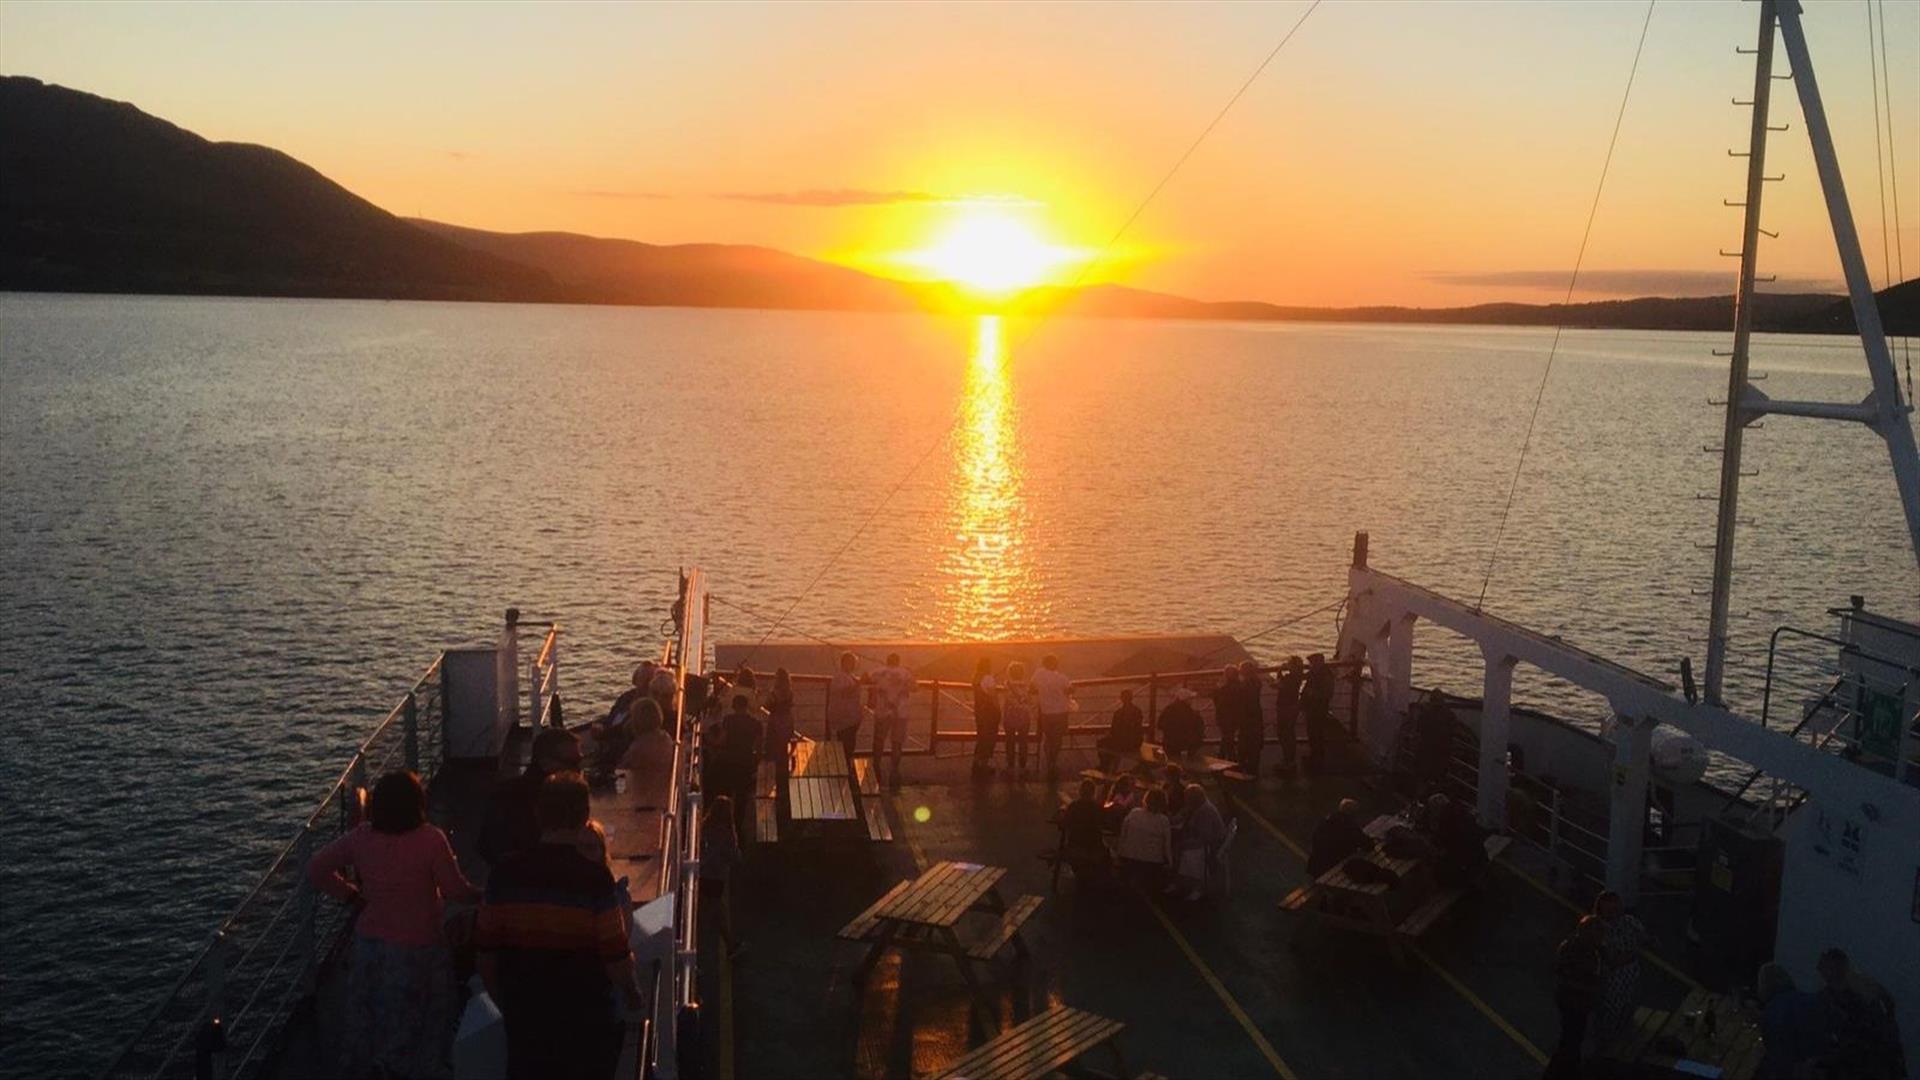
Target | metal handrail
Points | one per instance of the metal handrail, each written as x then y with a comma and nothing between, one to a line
402,714
676,984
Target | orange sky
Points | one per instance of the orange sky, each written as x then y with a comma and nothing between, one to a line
1396,152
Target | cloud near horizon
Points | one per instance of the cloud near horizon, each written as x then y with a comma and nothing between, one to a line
608,194
836,197
1631,282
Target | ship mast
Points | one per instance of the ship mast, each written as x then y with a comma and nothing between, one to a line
1884,411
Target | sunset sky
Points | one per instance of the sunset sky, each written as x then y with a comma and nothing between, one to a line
1426,153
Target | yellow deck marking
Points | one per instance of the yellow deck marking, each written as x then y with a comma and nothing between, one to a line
726,1014
1220,990
913,846
1459,987
1270,827
1546,890
1479,1003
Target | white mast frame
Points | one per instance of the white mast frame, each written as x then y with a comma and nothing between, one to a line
1884,411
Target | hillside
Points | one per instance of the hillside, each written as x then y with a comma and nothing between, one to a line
590,269
97,196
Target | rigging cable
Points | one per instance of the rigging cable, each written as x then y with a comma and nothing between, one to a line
1879,162
1085,269
1513,485
1893,171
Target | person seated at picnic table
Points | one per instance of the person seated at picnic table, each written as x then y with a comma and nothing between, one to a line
1202,832
1336,838
1082,827
1461,840
1124,734
1792,1025
1146,842
1181,729
1863,1038
1122,797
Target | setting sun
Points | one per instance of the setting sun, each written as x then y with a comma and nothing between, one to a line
991,251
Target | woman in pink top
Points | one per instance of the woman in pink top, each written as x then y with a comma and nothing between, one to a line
400,990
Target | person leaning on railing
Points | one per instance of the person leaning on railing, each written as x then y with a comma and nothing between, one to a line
400,988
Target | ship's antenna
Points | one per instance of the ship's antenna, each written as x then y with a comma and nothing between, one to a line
1573,279
1884,411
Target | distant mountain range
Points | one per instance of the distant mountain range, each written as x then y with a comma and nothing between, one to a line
97,196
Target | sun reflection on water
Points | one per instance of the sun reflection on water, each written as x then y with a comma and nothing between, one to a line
987,578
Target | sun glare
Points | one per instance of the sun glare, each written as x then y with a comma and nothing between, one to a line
990,251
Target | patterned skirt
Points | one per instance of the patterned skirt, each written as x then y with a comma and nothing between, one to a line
399,1010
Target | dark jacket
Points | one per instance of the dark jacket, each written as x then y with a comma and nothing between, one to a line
1124,735
1181,729
1334,839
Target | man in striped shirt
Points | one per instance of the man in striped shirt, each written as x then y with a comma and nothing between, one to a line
553,947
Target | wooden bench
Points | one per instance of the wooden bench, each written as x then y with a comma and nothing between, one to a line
820,798
1301,897
862,925
766,821
869,780
1039,1047
876,817
766,781
1004,931
1097,776
1236,776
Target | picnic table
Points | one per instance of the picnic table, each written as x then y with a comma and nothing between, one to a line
1406,908
1684,1042
1041,1046
820,758
925,913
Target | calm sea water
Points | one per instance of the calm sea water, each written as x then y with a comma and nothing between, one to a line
235,529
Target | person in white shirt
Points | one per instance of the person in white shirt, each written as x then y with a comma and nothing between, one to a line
893,687
1053,693
1146,843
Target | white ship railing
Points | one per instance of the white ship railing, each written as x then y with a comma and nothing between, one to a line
672,1029
225,1013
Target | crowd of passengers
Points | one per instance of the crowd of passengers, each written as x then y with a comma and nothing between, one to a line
548,938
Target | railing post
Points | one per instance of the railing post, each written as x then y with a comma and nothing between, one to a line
508,693
1153,707
826,715
933,722
303,912
410,724
212,1047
